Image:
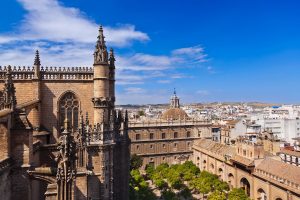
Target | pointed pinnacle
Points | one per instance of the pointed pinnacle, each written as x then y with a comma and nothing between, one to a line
37,58
111,55
111,52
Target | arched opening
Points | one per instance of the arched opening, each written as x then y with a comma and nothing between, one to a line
278,199
220,173
245,185
212,167
261,194
230,180
204,164
69,109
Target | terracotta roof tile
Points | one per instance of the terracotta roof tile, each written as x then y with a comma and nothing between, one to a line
280,169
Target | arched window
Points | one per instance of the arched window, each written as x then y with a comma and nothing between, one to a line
69,108
163,135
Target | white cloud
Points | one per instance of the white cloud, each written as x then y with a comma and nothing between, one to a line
66,36
49,20
193,54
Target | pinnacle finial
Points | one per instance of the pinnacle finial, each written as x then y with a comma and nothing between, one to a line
8,69
100,54
175,91
111,52
126,115
101,36
111,57
37,60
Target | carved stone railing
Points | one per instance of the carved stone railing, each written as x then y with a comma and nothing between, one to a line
95,134
49,73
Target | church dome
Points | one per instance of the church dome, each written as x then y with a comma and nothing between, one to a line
174,114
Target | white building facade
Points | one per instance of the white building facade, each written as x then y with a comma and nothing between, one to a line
283,121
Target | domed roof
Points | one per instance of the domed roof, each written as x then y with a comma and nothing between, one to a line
174,114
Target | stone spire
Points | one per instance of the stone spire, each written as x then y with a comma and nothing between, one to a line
100,54
111,58
37,65
9,93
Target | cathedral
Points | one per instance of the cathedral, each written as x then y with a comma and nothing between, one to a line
60,135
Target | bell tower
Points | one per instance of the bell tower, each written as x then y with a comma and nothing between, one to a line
174,101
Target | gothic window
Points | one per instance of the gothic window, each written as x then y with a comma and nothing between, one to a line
69,108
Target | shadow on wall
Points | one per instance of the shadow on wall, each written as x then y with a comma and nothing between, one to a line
49,118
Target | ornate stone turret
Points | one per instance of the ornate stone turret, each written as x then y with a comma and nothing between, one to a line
9,92
103,99
37,65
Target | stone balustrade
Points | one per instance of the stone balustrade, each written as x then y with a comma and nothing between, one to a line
49,73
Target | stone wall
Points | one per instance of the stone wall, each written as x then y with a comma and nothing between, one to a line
165,144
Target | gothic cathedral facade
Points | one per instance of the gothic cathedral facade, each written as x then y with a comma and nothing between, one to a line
61,137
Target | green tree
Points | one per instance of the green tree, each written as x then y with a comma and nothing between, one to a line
138,187
160,183
150,170
135,161
237,194
220,185
217,195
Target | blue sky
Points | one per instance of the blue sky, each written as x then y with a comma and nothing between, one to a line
209,50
